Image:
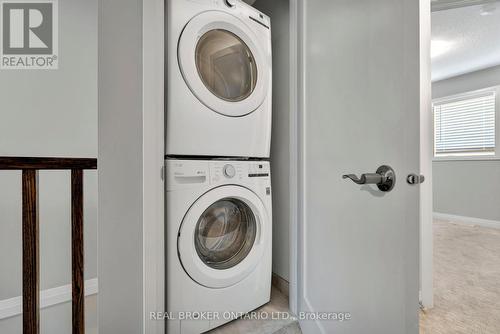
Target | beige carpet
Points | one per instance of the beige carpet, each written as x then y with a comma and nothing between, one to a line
466,281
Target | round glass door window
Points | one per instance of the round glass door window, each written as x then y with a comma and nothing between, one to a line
225,233
226,65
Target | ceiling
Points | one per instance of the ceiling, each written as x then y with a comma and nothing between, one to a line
465,39
449,4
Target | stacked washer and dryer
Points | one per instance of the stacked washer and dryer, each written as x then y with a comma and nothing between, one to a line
218,186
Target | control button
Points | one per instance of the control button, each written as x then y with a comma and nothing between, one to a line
258,174
229,171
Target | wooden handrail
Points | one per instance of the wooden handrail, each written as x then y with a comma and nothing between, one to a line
31,247
20,163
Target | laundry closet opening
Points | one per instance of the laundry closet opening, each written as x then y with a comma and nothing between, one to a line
218,192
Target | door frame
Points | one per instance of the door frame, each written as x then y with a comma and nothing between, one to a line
297,93
426,152
295,147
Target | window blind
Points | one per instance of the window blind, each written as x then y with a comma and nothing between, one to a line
465,126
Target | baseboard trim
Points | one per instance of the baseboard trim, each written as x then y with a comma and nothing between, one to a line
13,306
467,220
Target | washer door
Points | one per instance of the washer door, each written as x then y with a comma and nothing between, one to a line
222,63
221,238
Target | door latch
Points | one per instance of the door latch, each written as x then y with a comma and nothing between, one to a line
415,179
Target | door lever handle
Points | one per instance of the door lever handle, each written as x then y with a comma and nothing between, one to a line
367,178
384,178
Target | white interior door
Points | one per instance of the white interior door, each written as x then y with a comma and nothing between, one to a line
359,109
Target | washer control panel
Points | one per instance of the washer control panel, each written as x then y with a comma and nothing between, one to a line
259,169
238,171
194,173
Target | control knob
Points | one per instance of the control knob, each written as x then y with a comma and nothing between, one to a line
229,171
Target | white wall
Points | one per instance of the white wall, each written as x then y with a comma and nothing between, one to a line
56,319
131,157
51,113
120,166
467,188
471,81
279,11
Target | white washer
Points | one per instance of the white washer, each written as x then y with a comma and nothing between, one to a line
218,241
218,79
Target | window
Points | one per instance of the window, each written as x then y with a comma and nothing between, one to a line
464,126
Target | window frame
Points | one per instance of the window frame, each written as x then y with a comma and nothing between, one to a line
462,96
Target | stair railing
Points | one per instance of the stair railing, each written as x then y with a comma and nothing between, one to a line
30,231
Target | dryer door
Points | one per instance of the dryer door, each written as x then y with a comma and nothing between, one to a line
222,62
223,236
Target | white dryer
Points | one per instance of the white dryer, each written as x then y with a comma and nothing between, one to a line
218,79
218,241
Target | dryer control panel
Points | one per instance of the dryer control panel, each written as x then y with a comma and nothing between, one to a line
244,10
189,173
